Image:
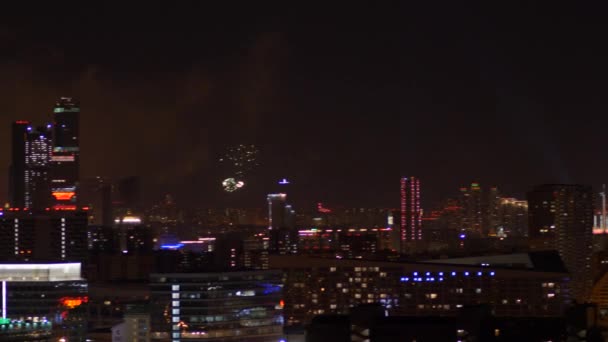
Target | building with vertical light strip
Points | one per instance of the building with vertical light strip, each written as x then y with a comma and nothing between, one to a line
411,213
65,159
53,235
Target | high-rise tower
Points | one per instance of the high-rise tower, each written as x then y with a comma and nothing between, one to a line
38,147
16,184
65,160
561,218
411,212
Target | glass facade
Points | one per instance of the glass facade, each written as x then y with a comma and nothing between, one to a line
234,306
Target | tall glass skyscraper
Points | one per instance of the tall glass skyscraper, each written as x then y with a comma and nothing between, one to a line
65,160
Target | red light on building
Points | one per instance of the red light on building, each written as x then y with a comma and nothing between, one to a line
64,207
22,122
63,195
321,209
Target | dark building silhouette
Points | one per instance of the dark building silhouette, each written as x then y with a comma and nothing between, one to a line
561,218
16,184
129,193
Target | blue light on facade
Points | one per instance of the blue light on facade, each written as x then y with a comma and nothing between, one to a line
175,246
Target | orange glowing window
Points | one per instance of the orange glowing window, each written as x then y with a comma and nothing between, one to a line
72,302
63,195
64,207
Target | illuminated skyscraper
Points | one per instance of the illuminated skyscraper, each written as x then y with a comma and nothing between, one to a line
276,211
16,184
65,160
38,148
471,201
411,212
561,218
281,225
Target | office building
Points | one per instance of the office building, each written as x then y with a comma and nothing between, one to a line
240,251
96,194
481,210
512,217
344,242
135,326
65,160
471,202
132,235
38,147
491,204
281,225
521,285
276,211
561,219
411,213
129,193
53,235
53,292
16,184
230,306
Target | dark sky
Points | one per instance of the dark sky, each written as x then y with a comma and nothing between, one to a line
340,100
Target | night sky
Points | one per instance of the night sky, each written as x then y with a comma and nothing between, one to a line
342,101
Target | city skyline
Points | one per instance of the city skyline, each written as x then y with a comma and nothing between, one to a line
209,172
487,103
